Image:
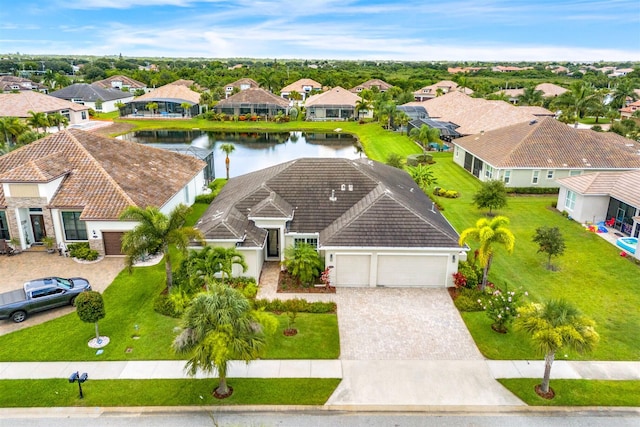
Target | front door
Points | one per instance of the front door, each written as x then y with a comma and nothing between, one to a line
37,225
273,240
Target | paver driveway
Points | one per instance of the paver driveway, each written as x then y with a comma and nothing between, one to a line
402,324
17,269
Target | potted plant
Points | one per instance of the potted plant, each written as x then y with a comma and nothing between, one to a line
49,243
14,242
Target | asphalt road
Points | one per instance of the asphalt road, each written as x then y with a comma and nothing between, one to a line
543,418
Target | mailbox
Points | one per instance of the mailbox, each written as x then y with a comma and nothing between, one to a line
83,377
73,378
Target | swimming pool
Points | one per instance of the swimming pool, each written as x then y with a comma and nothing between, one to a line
629,244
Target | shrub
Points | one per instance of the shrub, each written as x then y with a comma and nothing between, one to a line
501,307
554,204
467,299
448,194
419,159
301,305
532,190
82,250
471,273
164,305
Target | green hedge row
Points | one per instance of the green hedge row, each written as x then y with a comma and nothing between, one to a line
297,305
532,190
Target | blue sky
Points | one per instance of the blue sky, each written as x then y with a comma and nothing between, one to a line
421,30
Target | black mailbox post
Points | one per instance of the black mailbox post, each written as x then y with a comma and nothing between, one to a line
76,377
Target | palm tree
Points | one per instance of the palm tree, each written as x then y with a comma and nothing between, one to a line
302,261
220,326
362,105
58,120
623,91
11,128
38,120
422,135
488,233
579,97
403,120
152,106
155,232
553,326
388,112
228,149
186,108
423,176
531,96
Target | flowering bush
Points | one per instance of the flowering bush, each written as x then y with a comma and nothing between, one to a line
501,307
325,278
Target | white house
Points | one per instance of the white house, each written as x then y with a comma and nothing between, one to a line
370,222
94,96
73,185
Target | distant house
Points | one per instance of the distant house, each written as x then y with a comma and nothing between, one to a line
600,196
95,97
334,104
475,115
242,84
304,87
170,99
13,84
73,186
628,111
373,84
439,89
21,104
538,153
414,110
253,101
508,69
370,222
549,90
123,83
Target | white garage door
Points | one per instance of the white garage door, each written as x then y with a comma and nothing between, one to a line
352,270
412,270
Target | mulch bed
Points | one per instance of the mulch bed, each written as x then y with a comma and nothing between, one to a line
550,395
289,284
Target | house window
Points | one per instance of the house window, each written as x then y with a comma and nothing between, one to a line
488,171
4,227
507,177
535,177
575,173
456,151
84,115
74,228
549,174
313,241
570,201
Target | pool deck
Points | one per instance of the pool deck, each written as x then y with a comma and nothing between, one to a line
612,236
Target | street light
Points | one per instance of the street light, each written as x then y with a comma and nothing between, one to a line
76,377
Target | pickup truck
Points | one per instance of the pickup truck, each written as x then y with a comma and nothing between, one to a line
40,295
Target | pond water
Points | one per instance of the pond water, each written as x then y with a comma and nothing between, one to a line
253,150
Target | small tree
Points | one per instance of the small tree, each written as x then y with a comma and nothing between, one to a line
553,326
227,148
152,106
90,308
303,262
423,176
395,160
550,241
492,195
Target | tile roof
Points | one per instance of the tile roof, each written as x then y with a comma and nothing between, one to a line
548,90
551,144
349,202
334,96
621,185
19,104
300,84
253,96
380,84
103,175
178,93
244,81
475,115
126,81
446,86
89,93
8,83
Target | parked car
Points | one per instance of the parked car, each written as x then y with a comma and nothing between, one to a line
40,295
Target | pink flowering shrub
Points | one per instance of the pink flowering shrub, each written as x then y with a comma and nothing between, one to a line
501,307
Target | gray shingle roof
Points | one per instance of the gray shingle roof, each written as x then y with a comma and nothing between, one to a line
349,202
89,93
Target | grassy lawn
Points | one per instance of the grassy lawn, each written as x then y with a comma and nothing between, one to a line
317,338
188,392
577,392
592,121
591,273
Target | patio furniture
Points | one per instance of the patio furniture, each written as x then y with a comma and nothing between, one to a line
610,222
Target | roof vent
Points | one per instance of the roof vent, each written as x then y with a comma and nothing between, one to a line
433,207
533,122
343,187
350,187
333,197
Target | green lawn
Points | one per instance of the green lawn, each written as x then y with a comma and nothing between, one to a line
189,392
577,392
591,273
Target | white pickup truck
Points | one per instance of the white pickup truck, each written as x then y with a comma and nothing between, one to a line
40,295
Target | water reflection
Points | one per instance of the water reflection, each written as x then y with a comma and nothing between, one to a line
253,150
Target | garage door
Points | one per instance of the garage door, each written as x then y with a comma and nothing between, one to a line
112,242
352,270
412,270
